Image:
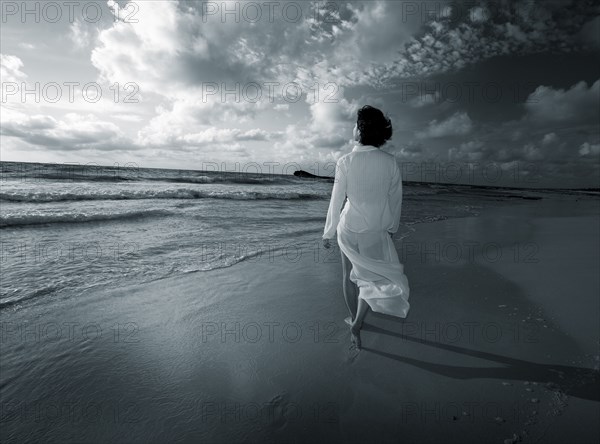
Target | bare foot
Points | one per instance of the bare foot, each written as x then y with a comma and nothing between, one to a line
355,335
356,339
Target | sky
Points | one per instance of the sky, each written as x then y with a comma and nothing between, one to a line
479,92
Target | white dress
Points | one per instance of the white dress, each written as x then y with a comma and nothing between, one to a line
372,182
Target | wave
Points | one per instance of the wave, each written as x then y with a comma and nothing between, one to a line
180,193
239,179
32,172
14,220
233,179
426,219
230,261
10,301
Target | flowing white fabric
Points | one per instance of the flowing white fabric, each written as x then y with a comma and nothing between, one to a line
371,181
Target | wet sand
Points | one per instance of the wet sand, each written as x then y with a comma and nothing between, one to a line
501,344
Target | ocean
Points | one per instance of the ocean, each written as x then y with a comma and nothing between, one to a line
67,229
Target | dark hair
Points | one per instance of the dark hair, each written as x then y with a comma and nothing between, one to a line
375,129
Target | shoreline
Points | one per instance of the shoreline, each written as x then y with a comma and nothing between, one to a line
260,352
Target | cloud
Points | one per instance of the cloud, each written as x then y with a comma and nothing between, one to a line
128,117
175,50
412,151
74,132
225,135
588,149
590,33
555,141
188,48
427,99
531,152
10,69
456,125
549,138
470,35
179,52
110,105
192,115
174,47
479,14
81,34
467,152
329,128
578,103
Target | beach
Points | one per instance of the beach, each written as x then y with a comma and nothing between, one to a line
500,345
185,185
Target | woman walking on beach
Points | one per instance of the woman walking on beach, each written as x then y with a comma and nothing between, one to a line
370,179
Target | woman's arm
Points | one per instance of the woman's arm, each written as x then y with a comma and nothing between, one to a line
395,197
337,200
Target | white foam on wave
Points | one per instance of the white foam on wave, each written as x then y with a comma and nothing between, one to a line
174,193
12,220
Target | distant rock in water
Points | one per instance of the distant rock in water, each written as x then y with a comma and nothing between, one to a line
307,175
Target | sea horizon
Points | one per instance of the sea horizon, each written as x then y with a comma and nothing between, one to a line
92,166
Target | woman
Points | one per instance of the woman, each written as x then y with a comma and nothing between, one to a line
370,179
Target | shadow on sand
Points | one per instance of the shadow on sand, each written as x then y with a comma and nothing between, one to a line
579,382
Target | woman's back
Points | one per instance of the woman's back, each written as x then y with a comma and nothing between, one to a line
371,175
